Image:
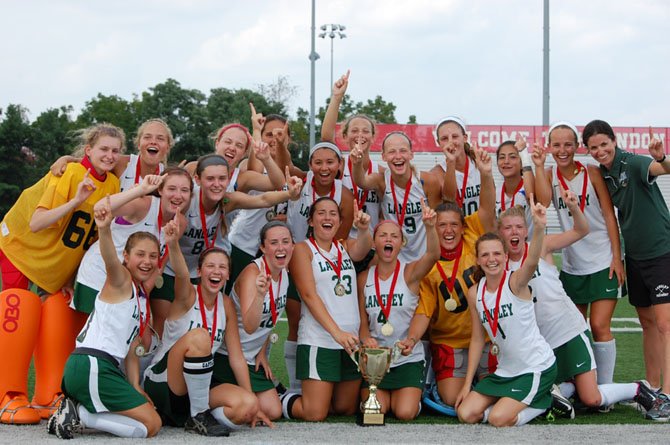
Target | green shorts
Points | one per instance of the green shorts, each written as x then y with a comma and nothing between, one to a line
585,289
327,365
84,298
574,357
532,389
223,373
166,292
173,409
99,385
239,259
407,375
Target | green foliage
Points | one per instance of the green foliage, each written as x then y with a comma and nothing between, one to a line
14,135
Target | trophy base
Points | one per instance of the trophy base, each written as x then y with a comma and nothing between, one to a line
370,419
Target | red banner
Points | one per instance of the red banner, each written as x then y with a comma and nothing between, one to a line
633,139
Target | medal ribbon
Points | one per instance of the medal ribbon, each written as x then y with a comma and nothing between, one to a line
451,282
160,227
337,269
86,162
364,195
273,304
330,195
147,309
502,195
203,222
386,309
582,198
401,212
460,198
137,171
525,254
203,315
494,324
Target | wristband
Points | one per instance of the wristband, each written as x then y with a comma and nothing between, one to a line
660,161
525,159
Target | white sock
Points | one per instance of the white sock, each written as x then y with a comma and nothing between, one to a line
220,417
605,355
121,426
487,411
287,401
429,374
616,392
198,375
527,415
567,389
290,348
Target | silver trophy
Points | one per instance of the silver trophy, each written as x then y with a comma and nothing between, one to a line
373,363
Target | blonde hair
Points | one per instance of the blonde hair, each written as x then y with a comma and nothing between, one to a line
516,210
90,136
144,126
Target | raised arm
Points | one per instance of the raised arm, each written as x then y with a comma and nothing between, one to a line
184,295
662,164
416,270
526,166
125,202
580,227
449,186
253,180
519,279
359,247
373,181
118,283
543,190
239,200
487,196
333,110
251,286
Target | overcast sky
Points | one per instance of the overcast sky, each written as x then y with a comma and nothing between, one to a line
481,59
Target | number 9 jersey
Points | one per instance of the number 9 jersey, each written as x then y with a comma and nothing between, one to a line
51,256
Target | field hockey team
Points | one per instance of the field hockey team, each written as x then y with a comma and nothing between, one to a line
148,294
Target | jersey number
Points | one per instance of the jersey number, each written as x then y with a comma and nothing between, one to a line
75,233
346,281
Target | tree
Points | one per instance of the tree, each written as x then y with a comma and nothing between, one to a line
52,136
412,119
279,93
226,106
14,135
378,109
111,109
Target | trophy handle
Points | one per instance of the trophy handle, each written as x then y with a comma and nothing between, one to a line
352,356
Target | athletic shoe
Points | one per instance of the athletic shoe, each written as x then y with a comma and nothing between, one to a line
67,419
561,408
206,425
646,397
660,411
51,424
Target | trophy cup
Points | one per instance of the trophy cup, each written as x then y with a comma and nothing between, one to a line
373,363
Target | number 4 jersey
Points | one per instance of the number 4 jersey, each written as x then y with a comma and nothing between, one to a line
51,256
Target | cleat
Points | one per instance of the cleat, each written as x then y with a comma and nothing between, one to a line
51,425
206,425
561,408
67,419
646,397
46,411
16,410
660,411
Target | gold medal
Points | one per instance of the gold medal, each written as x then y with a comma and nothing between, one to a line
495,349
340,290
450,304
404,240
387,329
274,338
270,215
159,282
140,351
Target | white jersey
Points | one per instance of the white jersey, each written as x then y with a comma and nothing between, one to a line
298,210
192,242
472,186
252,343
412,227
592,253
522,347
344,310
92,272
175,329
372,204
113,327
127,179
557,316
519,199
402,310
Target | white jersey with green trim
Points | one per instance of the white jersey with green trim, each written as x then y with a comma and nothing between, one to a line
252,343
412,227
401,312
372,204
522,347
519,199
127,179
112,327
298,211
344,310
557,316
472,186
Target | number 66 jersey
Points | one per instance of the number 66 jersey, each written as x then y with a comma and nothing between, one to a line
51,256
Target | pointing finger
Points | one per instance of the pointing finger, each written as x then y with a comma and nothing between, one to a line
346,76
253,109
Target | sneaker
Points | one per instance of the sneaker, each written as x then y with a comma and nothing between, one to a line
660,411
646,397
206,425
67,419
561,408
51,425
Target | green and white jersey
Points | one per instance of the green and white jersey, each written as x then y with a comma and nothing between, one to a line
592,253
557,317
252,343
402,310
522,347
412,226
519,199
372,204
127,179
473,186
298,210
113,327
344,310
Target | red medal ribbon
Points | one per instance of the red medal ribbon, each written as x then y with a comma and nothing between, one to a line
160,226
386,309
451,282
582,198
273,304
525,254
364,196
147,309
330,195
203,222
137,171
337,269
460,198
203,315
502,195
494,324
401,215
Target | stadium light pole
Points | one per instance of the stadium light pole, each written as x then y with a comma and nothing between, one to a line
332,30
545,67
313,57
